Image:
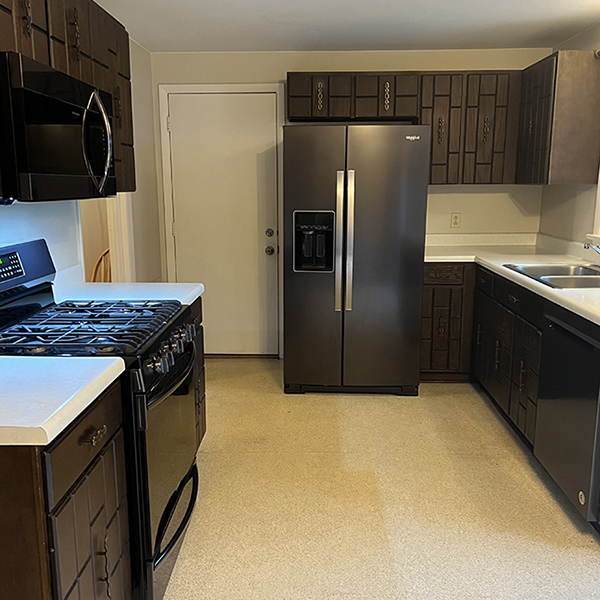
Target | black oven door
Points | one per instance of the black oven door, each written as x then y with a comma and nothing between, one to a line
171,446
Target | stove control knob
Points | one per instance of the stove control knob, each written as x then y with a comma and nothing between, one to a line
190,333
170,356
161,364
178,341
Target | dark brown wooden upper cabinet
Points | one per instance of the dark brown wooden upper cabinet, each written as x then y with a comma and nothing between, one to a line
559,129
491,125
122,50
442,98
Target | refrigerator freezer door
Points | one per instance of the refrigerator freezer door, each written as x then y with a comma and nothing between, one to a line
313,155
382,332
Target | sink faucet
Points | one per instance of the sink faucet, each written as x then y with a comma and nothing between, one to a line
591,247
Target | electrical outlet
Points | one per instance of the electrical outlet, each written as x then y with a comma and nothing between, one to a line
455,220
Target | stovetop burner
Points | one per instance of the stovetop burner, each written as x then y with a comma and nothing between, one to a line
90,327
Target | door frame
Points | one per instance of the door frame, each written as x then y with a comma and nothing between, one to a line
164,91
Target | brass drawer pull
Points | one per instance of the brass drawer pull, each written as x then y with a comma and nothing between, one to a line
96,437
513,299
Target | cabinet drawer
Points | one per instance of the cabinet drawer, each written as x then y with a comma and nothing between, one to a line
69,456
521,301
436,273
485,281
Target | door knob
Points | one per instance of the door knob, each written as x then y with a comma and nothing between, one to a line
269,232
270,250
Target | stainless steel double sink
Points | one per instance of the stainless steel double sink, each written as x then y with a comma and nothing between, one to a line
561,276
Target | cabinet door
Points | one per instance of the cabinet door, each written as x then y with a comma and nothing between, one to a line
490,128
406,105
537,100
442,108
366,96
340,96
90,531
8,42
447,314
299,96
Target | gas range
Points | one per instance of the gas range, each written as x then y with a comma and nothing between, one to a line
163,408
89,328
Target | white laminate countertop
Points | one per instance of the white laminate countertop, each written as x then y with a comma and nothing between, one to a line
584,302
41,395
68,286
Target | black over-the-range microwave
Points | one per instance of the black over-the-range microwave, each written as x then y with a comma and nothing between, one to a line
55,135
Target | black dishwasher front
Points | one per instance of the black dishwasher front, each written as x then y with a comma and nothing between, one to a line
566,435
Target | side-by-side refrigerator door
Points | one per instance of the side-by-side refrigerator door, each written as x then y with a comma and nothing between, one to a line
387,202
314,183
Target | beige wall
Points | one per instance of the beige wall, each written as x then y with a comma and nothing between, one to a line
144,201
568,210
484,209
94,232
271,67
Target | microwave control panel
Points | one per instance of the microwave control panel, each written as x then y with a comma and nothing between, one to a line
10,266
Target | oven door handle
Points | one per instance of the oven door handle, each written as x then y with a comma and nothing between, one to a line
159,553
172,386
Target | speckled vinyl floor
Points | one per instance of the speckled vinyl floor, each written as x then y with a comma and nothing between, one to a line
351,497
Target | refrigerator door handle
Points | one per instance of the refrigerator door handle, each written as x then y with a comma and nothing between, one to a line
339,239
350,238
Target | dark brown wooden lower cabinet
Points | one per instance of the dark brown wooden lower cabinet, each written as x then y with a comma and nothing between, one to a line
77,548
447,318
506,349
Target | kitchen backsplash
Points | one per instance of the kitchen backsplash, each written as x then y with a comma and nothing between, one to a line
56,222
483,209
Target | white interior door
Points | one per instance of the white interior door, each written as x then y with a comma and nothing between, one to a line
224,190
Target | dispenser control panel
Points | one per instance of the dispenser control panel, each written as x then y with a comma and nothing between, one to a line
314,240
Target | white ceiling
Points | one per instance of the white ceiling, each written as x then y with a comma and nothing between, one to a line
255,25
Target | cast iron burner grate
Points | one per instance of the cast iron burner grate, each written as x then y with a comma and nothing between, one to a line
84,328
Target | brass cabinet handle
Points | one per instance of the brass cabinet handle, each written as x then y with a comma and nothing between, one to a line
521,373
77,36
386,96
320,96
27,18
486,129
441,327
441,130
478,335
497,358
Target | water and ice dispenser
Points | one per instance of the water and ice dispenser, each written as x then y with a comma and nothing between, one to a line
314,240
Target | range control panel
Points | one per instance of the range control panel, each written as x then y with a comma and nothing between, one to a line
10,266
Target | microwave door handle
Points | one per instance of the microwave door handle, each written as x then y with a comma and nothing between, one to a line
95,96
109,146
86,159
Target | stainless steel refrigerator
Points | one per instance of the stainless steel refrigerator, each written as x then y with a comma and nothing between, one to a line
355,199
